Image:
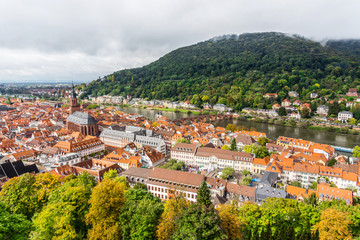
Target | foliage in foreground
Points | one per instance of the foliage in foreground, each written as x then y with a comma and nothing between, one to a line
77,208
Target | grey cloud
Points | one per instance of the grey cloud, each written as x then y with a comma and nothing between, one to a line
64,40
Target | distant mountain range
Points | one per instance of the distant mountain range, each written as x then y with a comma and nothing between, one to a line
238,69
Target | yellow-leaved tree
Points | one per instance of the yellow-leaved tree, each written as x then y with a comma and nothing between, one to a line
172,209
106,201
333,225
45,183
230,221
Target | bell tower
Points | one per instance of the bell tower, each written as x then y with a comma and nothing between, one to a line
74,104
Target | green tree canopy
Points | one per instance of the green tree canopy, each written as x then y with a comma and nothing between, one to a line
203,195
199,222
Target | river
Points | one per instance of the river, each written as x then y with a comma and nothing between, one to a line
272,131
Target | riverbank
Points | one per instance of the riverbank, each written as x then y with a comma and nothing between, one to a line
305,124
177,110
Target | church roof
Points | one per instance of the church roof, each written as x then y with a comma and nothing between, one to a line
81,118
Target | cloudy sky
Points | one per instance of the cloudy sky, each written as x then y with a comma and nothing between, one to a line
64,40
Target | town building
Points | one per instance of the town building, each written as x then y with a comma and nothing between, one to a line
84,147
221,158
221,107
259,165
184,152
243,140
327,193
352,93
82,122
313,95
11,169
271,95
137,175
293,94
120,136
344,116
286,103
322,110
94,167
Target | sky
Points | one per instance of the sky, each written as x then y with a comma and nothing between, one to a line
65,40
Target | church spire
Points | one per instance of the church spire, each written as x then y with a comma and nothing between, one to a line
73,91
74,103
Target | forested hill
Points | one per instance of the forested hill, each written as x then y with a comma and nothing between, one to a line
349,47
237,70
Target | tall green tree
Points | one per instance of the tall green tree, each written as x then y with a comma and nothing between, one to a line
140,215
199,222
233,145
203,195
282,111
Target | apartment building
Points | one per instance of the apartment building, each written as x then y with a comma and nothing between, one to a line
221,158
120,136
184,152
84,147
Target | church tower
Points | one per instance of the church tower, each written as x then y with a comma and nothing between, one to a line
74,104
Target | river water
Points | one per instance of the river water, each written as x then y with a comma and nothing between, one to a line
272,131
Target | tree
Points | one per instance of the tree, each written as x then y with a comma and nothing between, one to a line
106,201
233,145
203,195
64,215
282,111
356,151
295,184
20,196
226,147
227,172
259,151
246,181
245,172
183,140
13,226
333,225
312,199
172,210
305,124
352,121
229,221
305,112
263,141
331,162
198,222
231,127
249,216
140,215
45,183
313,185
140,186
334,108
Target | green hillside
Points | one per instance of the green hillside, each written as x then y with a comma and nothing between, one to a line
238,70
349,47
